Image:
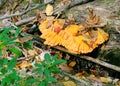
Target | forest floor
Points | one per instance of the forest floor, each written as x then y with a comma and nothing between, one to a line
77,71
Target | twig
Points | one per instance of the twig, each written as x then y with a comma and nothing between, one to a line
24,21
73,3
19,14
85,82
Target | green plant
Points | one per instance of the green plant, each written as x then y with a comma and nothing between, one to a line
8,76
7,41
45,68
7,37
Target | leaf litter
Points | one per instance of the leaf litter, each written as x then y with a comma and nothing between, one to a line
53,30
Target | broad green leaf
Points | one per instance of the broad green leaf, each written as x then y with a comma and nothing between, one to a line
12,63
58,62
47,58
15,51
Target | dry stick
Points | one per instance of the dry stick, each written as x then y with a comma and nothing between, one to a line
25,21
97,61
19,14
73,3
85,82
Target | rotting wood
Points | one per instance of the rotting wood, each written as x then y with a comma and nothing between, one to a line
97,61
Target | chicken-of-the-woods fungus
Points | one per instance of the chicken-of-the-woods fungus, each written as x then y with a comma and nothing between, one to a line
73,37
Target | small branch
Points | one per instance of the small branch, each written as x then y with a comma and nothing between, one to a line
73,3
29,9
85,82
24,21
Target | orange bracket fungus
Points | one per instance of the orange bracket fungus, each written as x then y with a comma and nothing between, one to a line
78,39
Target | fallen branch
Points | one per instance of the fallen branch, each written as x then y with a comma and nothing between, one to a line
24,21
73,3
29,9
97,61
83,82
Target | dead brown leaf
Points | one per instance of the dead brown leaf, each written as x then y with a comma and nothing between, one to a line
66,68
49,10
72,64
23,65
24,39
69,83
32,52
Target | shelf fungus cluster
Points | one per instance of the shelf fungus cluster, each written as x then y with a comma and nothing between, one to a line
78,39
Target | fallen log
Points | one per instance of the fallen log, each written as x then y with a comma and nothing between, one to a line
91,59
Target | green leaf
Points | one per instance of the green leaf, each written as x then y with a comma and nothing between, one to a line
41,72
42,83
4,35
1,62
28,44
17,32
0,51
55,70
54,57
15,51
47,58
14,76
36,70
3,70
25,2
38,65
51,79
47,73
32,80
58,62
5,60
12,63
5,81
